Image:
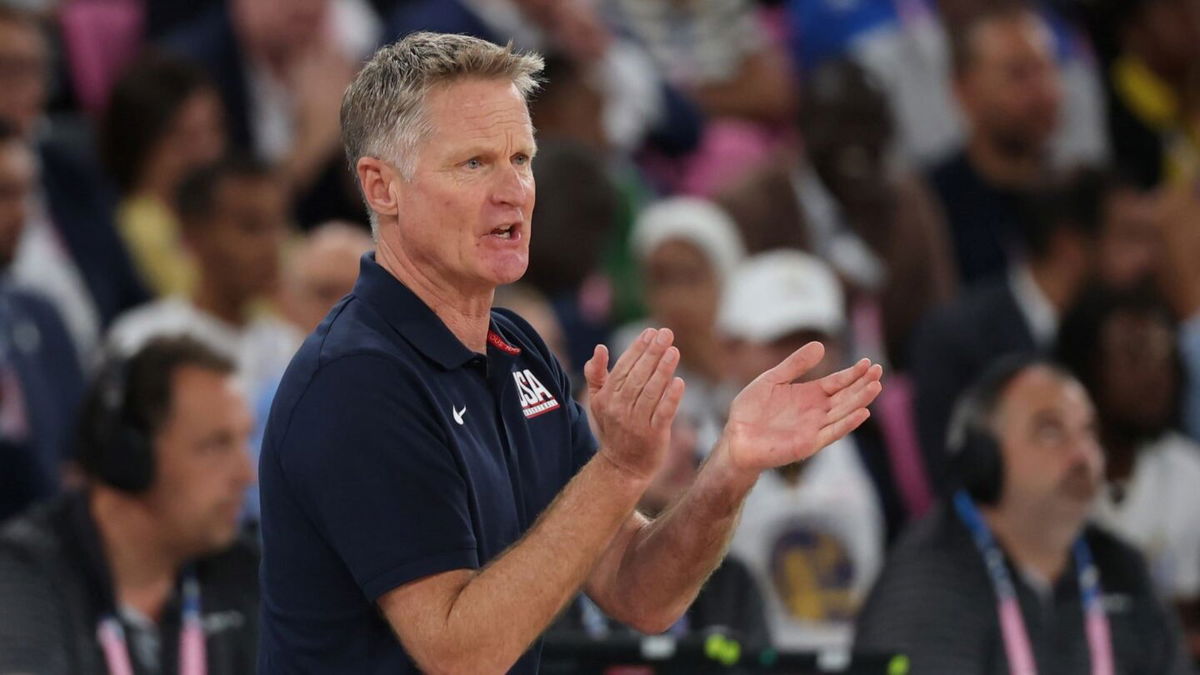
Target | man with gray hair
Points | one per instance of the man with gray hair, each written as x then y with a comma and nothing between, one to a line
432,496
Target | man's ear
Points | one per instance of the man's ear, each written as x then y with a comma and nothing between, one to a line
376,178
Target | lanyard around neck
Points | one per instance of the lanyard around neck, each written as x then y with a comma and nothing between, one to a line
1012,624
192,658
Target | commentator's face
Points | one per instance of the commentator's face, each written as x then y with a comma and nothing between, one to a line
464,217
1048,433
203,461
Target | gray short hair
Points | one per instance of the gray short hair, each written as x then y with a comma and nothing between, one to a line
383,108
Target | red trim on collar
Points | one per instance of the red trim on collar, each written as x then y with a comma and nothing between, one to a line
498,342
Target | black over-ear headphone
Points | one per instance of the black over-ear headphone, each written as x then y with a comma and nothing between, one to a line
974,451
115,446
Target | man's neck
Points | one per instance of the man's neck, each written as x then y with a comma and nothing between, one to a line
143,568
1034,541
467,315
1058,283
1002,170
210,300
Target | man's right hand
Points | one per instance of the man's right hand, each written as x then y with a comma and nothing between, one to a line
633,406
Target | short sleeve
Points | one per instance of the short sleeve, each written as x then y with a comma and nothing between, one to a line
364,457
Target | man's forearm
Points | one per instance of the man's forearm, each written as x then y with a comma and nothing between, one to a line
502,608
665,563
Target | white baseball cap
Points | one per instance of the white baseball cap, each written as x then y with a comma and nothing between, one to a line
780,292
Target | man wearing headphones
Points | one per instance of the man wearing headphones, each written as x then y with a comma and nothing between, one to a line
1005,576
142,572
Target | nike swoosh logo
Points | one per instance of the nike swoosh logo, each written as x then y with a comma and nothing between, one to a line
458,414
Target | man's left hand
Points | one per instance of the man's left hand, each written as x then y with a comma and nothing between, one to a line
776,420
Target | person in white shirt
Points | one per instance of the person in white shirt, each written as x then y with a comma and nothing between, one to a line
811,533
233,215
1124,347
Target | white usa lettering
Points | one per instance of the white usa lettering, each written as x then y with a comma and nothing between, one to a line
536,399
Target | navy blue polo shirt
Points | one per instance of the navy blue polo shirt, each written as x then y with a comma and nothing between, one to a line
393,452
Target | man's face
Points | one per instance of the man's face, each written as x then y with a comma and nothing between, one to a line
24,65
847,137
1129,246
319,276
1047,430
194,138
1011,93
202,461
239,247
1167,33
464,217
1137,380
16,184
682,287
280,27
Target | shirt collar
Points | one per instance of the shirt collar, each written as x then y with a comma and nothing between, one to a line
417,323
1037,309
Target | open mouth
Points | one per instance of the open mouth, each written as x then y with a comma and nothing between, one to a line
505,232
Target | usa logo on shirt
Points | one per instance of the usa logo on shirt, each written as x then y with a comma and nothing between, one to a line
536,399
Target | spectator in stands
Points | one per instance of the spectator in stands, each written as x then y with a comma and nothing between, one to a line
1179,278
1010,92
144,568
320,270
1131,245
1153,85
69,248
639,107
907,47
570,107
717,51
280,67
1018,313
1006,576
1123,348
40,378
234,218
687,248
535,308
730,601
163,120
811,533
846,202
580,258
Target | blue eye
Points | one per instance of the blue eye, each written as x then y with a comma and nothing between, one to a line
473,163
521,160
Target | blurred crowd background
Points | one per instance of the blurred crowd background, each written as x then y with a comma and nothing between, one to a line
930,183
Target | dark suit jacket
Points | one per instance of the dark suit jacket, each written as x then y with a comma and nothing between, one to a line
211,43
951,347
81,207
38,349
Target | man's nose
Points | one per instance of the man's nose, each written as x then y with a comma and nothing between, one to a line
512,186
